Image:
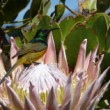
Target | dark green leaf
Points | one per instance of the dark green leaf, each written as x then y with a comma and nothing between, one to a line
26,15
94,17
57,36
102,5
44,22
99,23
106,62
12,8
1,17
35,7
106,97
100,29
68,23
14,32
59,10
104,65
108,41
73,41
103,105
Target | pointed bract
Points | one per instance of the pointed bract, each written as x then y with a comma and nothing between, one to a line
66,106
91,70
14,99
85,100
76,95
87,61
50,56
99,83
34,97
81,57
28,105
2,69
102,91
51,101
97,98
62,61
94,53
67,90
13,51
92,66
92,103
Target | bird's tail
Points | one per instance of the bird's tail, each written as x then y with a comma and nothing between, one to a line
8,73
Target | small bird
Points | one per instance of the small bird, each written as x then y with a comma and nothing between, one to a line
31,51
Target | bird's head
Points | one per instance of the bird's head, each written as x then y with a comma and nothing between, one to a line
42,35
44,32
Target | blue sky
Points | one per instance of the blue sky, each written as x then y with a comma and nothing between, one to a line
70,3
73,4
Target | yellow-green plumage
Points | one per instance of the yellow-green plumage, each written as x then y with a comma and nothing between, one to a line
28,48
31,57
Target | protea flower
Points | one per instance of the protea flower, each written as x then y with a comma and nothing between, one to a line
50,85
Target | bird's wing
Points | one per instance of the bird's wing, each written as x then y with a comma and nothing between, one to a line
28,48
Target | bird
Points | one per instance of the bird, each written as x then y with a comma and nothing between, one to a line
31,51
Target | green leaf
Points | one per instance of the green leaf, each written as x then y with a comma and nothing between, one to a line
47,4
102,5
27,14
15,32
100,29
74,40
59,10
29,34
35,7
108,41
105,62
34,21
68,23
1,17
99,23
12,8
102,104
96,16
6,51
44,23
18,41
57,36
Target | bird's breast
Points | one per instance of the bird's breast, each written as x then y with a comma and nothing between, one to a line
32,57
